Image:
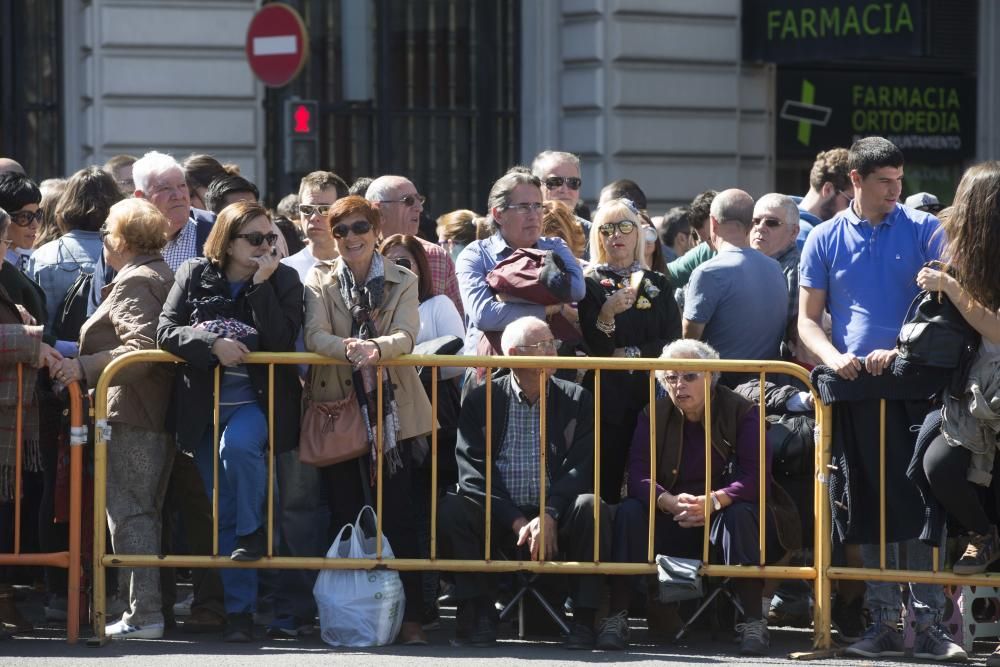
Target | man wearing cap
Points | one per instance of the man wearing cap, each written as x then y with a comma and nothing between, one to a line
924,201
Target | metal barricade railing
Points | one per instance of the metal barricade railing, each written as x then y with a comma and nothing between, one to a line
814,573
69,560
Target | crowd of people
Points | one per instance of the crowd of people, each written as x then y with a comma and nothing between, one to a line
151,253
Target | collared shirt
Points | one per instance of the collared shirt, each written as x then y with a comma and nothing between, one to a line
482,310
182,247
443,280
518,461
869,273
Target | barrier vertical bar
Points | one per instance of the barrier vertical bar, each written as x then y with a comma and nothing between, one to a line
216,418
881,484
434,459
379,425
77,441
762,479
18,457
707,381
541,461
822,636
100,512
270,460
651,527
489,463
597,464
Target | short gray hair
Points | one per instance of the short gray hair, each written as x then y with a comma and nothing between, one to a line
554,157
687,348
777,200
383,187
517,331
733,205
150,166
500,192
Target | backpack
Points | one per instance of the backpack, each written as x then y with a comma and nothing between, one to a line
72,312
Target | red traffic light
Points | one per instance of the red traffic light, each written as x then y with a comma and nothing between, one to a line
302,116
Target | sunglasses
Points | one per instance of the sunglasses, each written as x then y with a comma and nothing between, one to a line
770,222
408,200
623,226
674,379
258,238
404,262
343,229
25,218
104,233
319,209
553,182
551,344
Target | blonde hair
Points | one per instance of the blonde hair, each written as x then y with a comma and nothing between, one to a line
139,225
615,210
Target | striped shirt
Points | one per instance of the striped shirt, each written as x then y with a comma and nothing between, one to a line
518,462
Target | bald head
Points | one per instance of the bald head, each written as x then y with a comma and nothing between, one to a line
731,217
10,165
399,203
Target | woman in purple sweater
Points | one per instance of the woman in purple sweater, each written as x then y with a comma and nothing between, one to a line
680,486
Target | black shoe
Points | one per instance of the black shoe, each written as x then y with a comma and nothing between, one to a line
580,637
613,635
250,547
848,619
239,628
484,628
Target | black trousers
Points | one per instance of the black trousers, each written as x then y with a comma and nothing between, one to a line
946,468
462,526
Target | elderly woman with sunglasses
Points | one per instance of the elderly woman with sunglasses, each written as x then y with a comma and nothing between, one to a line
628,311
362,309
236,300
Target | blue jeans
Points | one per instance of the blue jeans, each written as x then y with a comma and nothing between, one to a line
884,599
242,492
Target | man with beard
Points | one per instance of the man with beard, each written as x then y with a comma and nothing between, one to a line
830,191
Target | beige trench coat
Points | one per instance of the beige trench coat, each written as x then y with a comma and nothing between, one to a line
328,323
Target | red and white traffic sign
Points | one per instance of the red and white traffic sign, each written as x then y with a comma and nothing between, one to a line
277,44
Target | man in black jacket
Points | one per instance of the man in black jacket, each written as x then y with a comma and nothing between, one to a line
567,525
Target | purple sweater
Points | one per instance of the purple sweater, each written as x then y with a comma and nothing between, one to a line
691,478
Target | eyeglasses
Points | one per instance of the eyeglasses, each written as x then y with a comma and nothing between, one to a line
126,184
526,208
770,222
408,200
404,262
623,226
553,182
319,209
258,238
104,233
360,227
25,218
550,344
673,379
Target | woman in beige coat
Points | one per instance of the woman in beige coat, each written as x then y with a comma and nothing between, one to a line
360,310
140,452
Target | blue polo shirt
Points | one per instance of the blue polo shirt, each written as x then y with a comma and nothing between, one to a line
869,273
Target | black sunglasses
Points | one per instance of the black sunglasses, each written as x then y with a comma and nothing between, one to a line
553,182
104,233
25,218
624,226
257,238
408,200
360,227
404,262
770,222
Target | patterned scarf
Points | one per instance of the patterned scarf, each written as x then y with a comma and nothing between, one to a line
622,273
363,302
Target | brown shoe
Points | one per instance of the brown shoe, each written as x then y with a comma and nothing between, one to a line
10,618
411,634
203,621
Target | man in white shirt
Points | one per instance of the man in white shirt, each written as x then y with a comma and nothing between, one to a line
317,192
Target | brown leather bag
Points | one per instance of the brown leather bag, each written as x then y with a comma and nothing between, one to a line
332,432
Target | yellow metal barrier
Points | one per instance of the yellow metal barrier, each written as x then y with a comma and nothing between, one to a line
69,560
815,572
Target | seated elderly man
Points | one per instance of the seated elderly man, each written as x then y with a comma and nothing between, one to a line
515,491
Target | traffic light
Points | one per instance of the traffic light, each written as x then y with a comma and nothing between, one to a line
301,131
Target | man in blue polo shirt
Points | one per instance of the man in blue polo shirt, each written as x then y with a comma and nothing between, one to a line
861,266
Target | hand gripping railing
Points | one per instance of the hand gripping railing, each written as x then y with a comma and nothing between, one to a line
815,573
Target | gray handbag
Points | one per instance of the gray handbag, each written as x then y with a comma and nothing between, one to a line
679,578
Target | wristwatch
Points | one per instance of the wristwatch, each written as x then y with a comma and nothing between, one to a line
716,505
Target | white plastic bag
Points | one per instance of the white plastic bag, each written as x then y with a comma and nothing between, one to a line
359,608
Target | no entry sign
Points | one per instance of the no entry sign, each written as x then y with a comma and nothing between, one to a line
277,44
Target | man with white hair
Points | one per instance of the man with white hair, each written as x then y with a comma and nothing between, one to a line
775,229
160,179
400,205
559,173
568,515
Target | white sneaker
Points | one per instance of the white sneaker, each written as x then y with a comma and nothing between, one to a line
183,608
123,630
